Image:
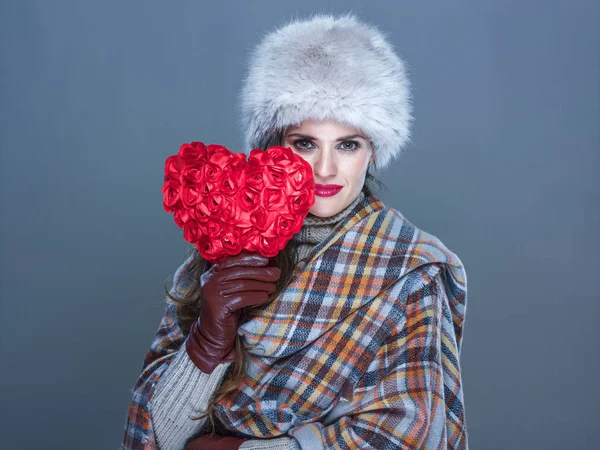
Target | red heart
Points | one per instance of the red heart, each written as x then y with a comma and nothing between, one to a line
226,204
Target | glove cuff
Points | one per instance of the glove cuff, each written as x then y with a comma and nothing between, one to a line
204,355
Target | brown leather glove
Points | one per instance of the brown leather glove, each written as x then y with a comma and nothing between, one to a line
234,283
214,442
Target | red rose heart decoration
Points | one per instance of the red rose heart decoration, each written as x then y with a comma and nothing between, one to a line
226,204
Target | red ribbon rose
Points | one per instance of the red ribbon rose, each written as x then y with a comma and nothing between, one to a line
226,204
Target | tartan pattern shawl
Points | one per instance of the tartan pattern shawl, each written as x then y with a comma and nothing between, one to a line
360,350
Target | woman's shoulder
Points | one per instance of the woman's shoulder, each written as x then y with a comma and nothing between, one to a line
182,276
391,233
405,249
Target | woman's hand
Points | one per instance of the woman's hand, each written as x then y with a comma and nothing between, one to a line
236,282
214,442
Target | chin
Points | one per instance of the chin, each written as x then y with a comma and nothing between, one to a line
321,210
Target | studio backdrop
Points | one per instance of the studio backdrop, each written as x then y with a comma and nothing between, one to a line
502,167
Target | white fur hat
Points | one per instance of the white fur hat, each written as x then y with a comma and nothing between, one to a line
328,67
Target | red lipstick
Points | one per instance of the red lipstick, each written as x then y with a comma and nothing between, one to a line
327,190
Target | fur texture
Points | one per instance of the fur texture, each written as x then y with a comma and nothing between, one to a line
328,67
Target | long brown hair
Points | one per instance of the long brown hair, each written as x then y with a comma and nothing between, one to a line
189,304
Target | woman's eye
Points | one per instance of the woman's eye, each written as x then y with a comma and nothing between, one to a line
349,146
302,144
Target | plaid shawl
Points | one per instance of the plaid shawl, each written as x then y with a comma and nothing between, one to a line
360,350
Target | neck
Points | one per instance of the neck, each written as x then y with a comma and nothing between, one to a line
316,229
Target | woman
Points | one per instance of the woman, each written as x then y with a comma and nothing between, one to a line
351,336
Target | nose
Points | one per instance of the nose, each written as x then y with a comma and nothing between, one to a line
324,165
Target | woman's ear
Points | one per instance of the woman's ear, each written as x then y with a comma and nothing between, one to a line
373,163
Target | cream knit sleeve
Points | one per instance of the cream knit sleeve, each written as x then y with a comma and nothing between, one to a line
281,443
183,391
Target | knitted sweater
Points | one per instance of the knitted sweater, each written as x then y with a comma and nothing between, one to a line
184,391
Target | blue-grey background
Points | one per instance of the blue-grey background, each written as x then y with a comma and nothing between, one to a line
503,168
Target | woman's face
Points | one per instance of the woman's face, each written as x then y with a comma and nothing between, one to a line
339,157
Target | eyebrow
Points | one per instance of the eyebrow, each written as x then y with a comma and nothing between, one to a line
343,138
